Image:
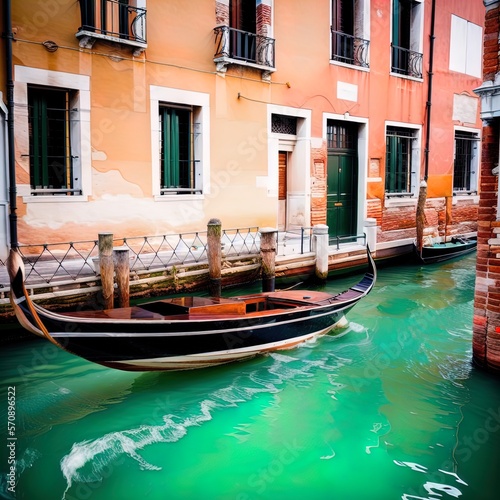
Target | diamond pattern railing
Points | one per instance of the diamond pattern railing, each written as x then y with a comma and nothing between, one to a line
52,263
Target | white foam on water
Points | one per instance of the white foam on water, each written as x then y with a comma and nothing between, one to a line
89,461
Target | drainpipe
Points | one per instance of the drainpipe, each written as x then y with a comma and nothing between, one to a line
10,123
422,195
429,91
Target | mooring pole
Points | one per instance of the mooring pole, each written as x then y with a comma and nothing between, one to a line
320,234
106,268
122,272
214,250
268,258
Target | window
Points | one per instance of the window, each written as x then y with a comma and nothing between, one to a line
283,124
400,161
51,161
349,31
52,122
180,143
243,34
121,21
177,161
466,47
466,162
407,38
341,135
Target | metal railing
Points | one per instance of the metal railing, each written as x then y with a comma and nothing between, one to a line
71,261
406,62
67,262
298,241
244,46
337,240
114,19
349,49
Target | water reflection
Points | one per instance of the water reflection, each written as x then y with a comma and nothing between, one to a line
391,408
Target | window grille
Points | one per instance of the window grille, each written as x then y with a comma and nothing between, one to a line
341,136
399,160
281,124
465,145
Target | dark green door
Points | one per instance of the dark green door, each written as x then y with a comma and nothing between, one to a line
342,186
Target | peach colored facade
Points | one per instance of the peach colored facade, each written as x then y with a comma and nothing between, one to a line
117,91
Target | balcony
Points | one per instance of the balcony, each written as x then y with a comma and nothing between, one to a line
406,62
234,46
349,49
112,20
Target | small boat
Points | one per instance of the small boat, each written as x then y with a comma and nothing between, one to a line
438,252
187,332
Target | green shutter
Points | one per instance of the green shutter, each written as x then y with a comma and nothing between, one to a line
50,150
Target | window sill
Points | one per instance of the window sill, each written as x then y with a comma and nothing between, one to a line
178,197
407,77
55,199
333,62
88,38
468,198
397,201
24,190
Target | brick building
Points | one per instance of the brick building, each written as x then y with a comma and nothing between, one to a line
154,116
486,327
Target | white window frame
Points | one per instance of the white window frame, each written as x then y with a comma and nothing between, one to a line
79,129
392,199
201,113
475,161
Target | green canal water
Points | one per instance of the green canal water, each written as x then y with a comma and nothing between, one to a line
391,408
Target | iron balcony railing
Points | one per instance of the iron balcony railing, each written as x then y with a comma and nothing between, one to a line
241,45
349,49
114,18
406,62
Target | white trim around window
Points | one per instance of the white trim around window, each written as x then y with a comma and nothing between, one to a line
80,128
401,200
201,109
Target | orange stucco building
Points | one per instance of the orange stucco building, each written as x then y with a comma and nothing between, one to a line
149,117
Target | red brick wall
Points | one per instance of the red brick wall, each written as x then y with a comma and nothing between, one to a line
318,185
491,46
486,323
263,19
221,14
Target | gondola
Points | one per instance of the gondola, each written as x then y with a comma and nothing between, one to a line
187,332
439,252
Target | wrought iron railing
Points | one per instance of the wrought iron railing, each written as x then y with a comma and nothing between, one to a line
114,18
406,62
71,261
244,46
61,264
350,49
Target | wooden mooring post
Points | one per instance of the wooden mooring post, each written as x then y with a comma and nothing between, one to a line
268,258
122,273
106,269
214,251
